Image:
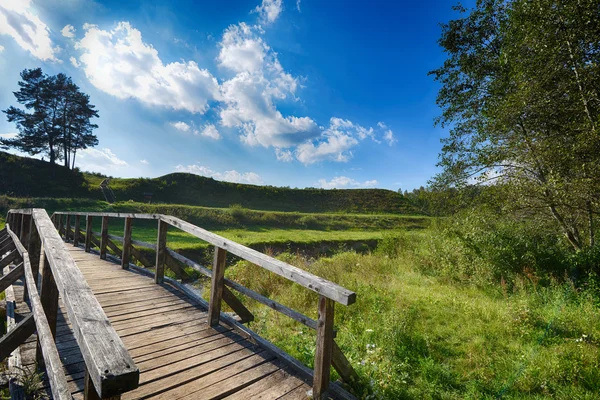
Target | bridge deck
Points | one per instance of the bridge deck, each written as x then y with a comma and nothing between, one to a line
166,333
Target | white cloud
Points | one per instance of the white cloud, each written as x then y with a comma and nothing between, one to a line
229,176
26,28
68,31
335,143
388,135
269,10
298,5
284,155
100,160
74,62
250,95
119,63
209,131
145,162
342,182
180,125
1,49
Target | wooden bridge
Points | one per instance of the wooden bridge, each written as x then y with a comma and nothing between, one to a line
99,326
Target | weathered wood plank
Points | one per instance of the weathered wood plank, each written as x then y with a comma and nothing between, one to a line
52,361
306,279
101,347
16,336
216,287
342,365
11,277
77,230
324,348
237,306
9,258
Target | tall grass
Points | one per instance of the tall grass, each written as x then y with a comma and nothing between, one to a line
431,323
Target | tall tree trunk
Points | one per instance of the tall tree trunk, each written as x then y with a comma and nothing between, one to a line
74,153
52,155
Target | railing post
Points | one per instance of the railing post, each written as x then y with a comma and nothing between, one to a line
161,251
24,238
126,255
88,233
68,228
49,299
216,286
324,348
89,391
76,231
104,238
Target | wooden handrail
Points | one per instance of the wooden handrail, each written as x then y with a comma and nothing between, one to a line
56,375
108,363
327,352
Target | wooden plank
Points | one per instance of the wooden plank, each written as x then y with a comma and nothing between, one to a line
11,277
108,214
60,224
237,306
34,250
235,382
16,336
304,278
342,365
300,393
9,258
14,361
170,386
140,257
126,254
88,233
161,244
49,294
52,361
324,348
216,287
101,347
271,387
104,238
173,266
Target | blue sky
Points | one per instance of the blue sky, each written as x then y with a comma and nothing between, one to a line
289,93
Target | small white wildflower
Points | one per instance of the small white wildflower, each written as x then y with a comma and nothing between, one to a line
368,330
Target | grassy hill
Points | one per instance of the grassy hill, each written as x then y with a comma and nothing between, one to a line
26,177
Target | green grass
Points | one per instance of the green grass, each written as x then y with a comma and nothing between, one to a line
416,336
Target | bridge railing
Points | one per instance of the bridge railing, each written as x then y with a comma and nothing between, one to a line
109,369
327,352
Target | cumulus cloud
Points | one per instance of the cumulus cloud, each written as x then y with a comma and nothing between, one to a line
26,28
120,63
181,126
250,96
335,143
209,131
229,176
269,10
100,160
145,162
74,61
1,48
68,31
343,182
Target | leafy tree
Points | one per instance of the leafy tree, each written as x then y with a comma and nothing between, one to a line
520,91
56,120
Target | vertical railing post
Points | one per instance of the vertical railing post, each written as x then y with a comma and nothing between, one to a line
88,233
17,229
126,255
68,228
104,238
49,299
324,348
60,224
216,286
76,231
161,251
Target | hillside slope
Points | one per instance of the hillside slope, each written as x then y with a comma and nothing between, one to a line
26,177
